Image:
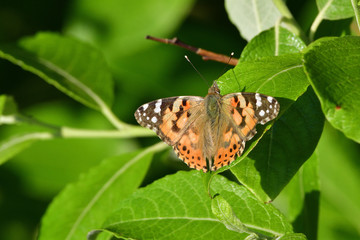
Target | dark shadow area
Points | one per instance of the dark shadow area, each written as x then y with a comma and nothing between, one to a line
307,220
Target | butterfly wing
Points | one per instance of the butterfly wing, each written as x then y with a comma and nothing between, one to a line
190,146
241,112
176,121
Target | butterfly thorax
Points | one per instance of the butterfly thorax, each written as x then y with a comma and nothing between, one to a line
212,102
212,106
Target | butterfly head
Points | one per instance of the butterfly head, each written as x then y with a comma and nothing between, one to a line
214,89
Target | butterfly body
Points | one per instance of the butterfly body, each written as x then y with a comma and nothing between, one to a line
208,133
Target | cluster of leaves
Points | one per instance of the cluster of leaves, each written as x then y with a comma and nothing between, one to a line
309,80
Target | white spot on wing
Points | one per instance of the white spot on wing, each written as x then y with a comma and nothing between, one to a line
147,118
262,113
270,99
154,119
258,100
145,106
157,106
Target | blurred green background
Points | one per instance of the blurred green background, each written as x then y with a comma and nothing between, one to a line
143,70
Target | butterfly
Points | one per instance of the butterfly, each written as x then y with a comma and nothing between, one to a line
208,133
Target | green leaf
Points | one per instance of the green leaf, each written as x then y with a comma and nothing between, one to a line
282,151
177,207
335,9
119,28
84,205
300,199
224,212
252,17
7,106
73,67
15,144
340,183
293,236
272,43
333,68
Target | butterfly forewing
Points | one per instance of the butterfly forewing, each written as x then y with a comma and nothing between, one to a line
168,117
248,109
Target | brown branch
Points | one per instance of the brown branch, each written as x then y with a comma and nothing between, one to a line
205,54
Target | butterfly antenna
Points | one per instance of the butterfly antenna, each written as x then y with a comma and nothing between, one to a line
202,77
224,70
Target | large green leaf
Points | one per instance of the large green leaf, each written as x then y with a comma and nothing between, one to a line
119,28
281,152
334,72
252,17
300,199
272,43
177,207
75,68
85,204
335,9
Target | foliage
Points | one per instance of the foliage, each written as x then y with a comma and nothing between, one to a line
55,144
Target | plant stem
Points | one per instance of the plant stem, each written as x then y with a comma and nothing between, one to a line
69,132
113,119
133,131
318,20
289,19
277,37
10,119
355,5
25,138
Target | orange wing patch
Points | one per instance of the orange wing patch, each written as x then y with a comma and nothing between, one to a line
232,146
248,127
175,118
187,149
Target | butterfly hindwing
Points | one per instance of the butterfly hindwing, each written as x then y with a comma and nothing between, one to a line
229,146
189,148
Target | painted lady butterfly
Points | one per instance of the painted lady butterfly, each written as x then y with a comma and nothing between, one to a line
208,133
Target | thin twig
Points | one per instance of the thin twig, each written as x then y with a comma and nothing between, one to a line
206,55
